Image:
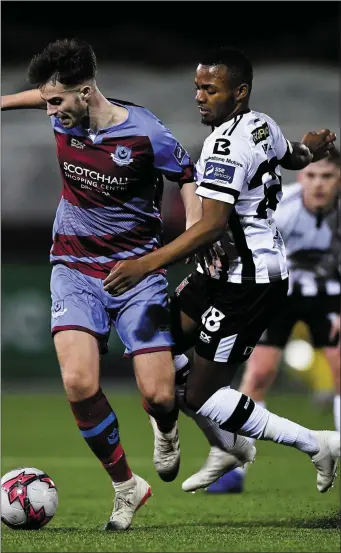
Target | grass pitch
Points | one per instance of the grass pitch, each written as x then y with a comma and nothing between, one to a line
280,509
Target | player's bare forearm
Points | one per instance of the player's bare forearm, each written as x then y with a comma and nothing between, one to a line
211,226
192,203
28,99
198,235
313,147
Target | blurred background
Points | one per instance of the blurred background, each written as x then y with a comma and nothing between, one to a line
296,81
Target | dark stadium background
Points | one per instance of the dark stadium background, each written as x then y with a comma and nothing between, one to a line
157,36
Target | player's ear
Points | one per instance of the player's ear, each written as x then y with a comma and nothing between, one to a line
85,92
242,91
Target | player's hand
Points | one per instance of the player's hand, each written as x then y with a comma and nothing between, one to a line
212,259
124,276
319,143
204,258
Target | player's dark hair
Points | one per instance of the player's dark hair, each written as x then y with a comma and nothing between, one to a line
69,61
238,65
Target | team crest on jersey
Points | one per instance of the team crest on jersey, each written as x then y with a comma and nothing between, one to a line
219,171
122,155
179,153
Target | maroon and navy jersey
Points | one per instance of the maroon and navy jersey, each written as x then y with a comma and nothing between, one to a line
112,180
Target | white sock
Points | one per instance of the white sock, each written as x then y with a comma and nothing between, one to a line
262,404
336,409
215,435
229,408
252,441
120,486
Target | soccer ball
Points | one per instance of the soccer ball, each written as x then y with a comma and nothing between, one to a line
29,498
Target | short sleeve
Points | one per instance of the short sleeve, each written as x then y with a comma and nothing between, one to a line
282,145
223,176
170,157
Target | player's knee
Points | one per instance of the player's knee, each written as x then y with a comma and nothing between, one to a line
79,386
159,396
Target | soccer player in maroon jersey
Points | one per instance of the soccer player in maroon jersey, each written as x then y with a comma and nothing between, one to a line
112,156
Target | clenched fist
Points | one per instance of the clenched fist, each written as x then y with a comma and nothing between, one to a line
319,143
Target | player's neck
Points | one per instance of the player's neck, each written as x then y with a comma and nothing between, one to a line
238,110
103,114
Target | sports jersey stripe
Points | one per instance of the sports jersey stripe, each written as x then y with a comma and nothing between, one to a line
98,221
104,259
248,266
220,188
96,270
95,246
236,123
89,199
264,167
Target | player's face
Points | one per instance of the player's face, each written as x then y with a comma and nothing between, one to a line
321,183
67,104
215,98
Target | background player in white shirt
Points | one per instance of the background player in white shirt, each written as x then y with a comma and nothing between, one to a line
240,185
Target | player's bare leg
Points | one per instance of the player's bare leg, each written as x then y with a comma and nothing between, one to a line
260,372
333,357
78,357
155,378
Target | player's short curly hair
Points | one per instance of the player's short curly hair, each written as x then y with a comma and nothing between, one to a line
69,61
238,65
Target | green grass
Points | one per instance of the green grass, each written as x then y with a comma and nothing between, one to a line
280,510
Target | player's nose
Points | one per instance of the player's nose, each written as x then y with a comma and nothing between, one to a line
51,110
200,97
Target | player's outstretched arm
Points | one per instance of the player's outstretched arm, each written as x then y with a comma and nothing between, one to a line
313,147
208,230
28,99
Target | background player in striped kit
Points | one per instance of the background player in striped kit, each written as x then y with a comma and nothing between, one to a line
308,219
239,180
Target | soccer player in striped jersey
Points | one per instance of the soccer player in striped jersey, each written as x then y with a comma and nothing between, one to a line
112,157
308,220
239,181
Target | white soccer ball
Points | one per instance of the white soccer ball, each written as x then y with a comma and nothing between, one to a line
29,498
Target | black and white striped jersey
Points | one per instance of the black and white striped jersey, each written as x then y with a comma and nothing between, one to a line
239,165
308,238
